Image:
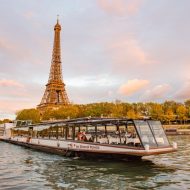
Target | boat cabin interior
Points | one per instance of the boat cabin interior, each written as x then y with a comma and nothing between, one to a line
110,131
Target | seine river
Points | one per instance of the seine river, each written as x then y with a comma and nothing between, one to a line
22,168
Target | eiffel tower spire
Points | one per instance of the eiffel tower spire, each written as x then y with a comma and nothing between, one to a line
55,94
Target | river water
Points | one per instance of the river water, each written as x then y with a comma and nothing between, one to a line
22,168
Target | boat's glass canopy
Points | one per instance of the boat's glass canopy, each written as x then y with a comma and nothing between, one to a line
158,132
151,133
139,132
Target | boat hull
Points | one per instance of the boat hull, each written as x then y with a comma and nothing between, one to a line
87,150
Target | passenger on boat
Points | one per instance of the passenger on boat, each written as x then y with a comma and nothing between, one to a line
128,135
81,136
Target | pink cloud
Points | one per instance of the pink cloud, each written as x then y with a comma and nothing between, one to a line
157,92
120,7
17,96
10,83
126,52
11,107
6,45
132,86
12,50
15,51
184,92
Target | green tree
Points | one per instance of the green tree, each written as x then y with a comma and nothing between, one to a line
187,105
156,111
169,115
181,112
29,114
118,110
47,114
131,114
170,105
5,121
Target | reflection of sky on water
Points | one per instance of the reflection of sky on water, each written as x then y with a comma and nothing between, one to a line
103,174
22,168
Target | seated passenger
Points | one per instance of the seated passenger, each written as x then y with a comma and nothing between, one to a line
128,135
81,136
133,135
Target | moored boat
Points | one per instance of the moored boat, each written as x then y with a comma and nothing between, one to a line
95,137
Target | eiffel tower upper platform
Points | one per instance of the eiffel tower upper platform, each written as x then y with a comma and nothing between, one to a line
55,94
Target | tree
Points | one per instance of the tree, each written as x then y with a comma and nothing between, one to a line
46,115
170,105
181,112
70,111
156,111
166,112
131,114
169,115
118,110
187,105
29,114
5,121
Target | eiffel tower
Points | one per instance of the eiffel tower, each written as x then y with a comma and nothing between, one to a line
55,94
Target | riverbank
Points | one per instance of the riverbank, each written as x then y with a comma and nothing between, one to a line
178,126
177,129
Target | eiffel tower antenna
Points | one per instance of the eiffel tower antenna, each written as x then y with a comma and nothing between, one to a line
57,18
55,94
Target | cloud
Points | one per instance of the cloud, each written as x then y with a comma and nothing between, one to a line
10,83
132,86
15,98
98,81
29,14
4,44
156,93
126,53
120,7
184,92
9,108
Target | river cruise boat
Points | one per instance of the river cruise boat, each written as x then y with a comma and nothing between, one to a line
94,137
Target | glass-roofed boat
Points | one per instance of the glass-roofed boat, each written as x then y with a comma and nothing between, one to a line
95,137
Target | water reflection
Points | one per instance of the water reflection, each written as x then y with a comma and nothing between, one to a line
102,175
22,168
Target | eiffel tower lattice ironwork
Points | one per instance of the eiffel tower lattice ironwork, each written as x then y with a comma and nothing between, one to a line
55,94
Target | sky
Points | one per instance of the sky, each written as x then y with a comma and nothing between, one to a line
128,50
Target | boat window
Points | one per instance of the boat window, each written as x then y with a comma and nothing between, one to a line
159,133
70,133
145,133
20,131
110,134
91,129
62,131
102,135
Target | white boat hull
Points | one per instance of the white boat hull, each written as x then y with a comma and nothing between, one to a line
66,146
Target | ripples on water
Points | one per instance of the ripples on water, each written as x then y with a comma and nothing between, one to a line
22,168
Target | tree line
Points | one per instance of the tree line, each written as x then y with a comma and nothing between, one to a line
5,121
168,112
